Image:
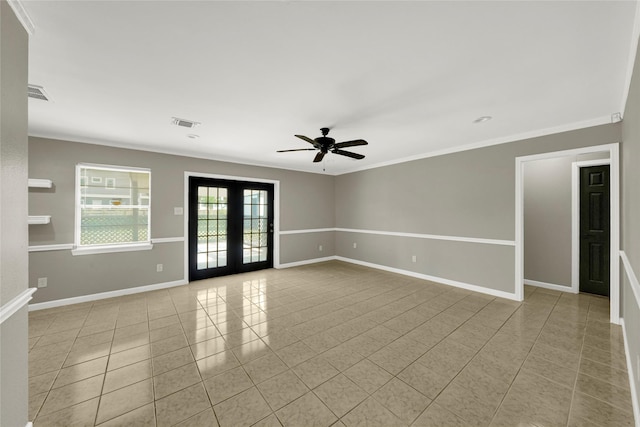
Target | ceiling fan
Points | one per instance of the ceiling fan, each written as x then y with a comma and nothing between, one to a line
326,144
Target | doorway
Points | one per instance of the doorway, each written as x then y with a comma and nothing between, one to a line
230,226
594,230
614,217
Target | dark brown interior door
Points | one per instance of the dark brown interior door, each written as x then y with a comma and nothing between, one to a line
594,230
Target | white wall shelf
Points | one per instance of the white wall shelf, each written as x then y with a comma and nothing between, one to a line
40,183
39,219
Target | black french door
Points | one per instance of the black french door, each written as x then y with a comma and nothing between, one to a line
230,227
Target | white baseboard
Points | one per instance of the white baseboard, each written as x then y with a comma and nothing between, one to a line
551,286
454,283
129,291
631,372
105,295
306,261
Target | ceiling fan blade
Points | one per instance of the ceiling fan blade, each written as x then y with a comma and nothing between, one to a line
319,157
297,149
305,138
351,143
349,154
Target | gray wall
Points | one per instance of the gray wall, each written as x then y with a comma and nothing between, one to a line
548,218
465,194
476,264
306,246
547,221
306,202
630,224
14,45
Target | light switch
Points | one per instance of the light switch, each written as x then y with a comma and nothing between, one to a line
178,211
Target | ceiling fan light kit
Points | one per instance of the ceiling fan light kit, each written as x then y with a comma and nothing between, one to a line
325,144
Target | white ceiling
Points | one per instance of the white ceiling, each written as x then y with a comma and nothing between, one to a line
409,77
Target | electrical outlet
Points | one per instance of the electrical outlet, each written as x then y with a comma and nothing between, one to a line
159,268
320,248
413,258
42,282
355,245
178,211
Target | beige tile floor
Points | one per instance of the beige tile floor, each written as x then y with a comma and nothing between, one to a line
328,344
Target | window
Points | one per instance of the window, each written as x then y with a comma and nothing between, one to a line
112,209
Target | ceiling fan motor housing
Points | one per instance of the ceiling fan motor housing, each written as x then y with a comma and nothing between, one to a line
325,142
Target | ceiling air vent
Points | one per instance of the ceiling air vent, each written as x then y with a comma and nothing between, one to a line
37,92
184,123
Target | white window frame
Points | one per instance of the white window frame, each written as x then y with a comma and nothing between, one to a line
79,249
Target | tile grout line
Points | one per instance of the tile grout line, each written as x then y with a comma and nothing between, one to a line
106,371
535,373
153,389
575,383
104,379
195,362
525,359
585,374
604,401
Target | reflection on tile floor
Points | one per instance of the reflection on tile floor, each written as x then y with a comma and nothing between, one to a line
328,344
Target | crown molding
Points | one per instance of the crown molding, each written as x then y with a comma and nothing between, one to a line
490,142
22,16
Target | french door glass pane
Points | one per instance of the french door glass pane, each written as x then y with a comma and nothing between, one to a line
202,261
222,258
255,226
212,227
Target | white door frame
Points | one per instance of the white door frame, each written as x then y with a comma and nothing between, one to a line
276,212
614,161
